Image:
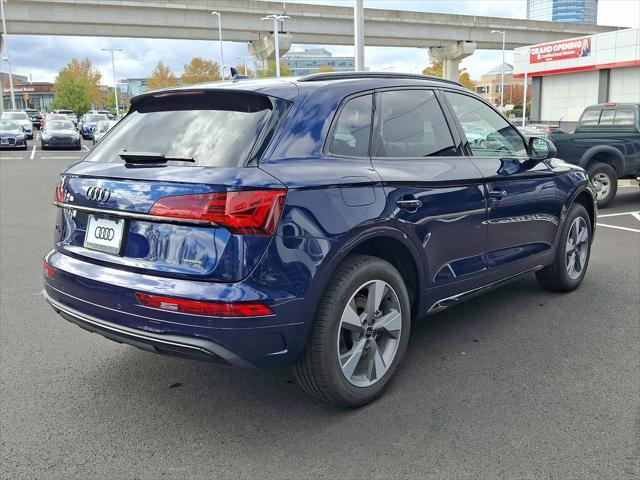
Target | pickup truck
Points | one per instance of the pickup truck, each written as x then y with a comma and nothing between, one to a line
606,143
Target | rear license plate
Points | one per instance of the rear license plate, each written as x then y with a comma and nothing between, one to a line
104,234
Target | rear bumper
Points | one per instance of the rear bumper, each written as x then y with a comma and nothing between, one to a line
195,348
102,300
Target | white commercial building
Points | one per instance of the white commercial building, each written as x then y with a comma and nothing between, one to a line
569,75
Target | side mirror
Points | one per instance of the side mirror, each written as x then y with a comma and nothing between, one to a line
540,148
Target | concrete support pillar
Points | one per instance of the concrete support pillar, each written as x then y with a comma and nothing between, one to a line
451,55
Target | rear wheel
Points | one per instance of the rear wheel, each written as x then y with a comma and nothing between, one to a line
604,178
360,333
572,254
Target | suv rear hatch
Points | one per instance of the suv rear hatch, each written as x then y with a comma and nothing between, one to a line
174,189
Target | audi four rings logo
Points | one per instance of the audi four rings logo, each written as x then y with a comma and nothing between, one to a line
98,194
104,233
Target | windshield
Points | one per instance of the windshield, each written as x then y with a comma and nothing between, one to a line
102,126
59,125
95,118
15,115
213,130
6,125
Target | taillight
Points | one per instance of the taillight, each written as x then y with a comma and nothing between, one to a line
246,212
48,271
214,309
59,193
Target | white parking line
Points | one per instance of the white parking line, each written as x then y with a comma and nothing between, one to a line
85,147
33,152
619,228
38,136
636,215
618,214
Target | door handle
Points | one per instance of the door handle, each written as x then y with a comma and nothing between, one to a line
497,194
410,204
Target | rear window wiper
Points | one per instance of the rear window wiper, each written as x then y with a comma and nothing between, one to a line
151,157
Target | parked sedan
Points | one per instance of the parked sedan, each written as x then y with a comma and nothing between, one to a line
89,123
21,118
60,134
35,116
12,135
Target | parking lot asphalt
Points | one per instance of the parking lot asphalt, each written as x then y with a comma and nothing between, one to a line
516,384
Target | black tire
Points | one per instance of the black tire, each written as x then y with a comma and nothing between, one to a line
42,147
555,277
26,147
318,371
606,170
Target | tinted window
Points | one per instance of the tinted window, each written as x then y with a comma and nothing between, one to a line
411,125
624,117
351,135
213,129
590,118
488,133
606,118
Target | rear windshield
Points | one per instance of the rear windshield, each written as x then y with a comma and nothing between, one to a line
213,128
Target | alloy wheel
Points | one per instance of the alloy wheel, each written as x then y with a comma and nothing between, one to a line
369,333
602,182
577,248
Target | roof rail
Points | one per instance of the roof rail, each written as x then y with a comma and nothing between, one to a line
318,77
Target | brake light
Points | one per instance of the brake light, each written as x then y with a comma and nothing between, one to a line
610,104
213,309
59,193
48,271
247,212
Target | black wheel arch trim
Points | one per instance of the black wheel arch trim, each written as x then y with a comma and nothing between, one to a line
618,163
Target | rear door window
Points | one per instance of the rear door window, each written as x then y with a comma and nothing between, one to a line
350,137
216,129
411,125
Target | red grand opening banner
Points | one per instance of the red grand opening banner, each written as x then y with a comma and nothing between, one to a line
550,52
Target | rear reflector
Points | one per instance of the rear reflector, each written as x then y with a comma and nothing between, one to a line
247,212
59,193
48,271
213,309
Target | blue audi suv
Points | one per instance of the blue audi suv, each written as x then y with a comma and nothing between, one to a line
307,222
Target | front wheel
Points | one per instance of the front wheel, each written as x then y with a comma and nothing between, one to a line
572,254
360,333
605,181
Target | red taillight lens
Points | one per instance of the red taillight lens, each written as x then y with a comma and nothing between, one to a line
214,309
59,193
248,212
48,271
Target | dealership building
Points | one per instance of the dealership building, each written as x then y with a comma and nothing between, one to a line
569,75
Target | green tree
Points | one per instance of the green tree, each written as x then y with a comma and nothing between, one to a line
71,93
162,77
270,71
199,70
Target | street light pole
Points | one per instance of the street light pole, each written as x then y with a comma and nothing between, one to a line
219,15
115,82
8,60
276,39
358,30
504,33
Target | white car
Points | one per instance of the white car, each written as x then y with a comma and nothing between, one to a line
102,128
22,118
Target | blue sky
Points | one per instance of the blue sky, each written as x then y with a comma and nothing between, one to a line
43,56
